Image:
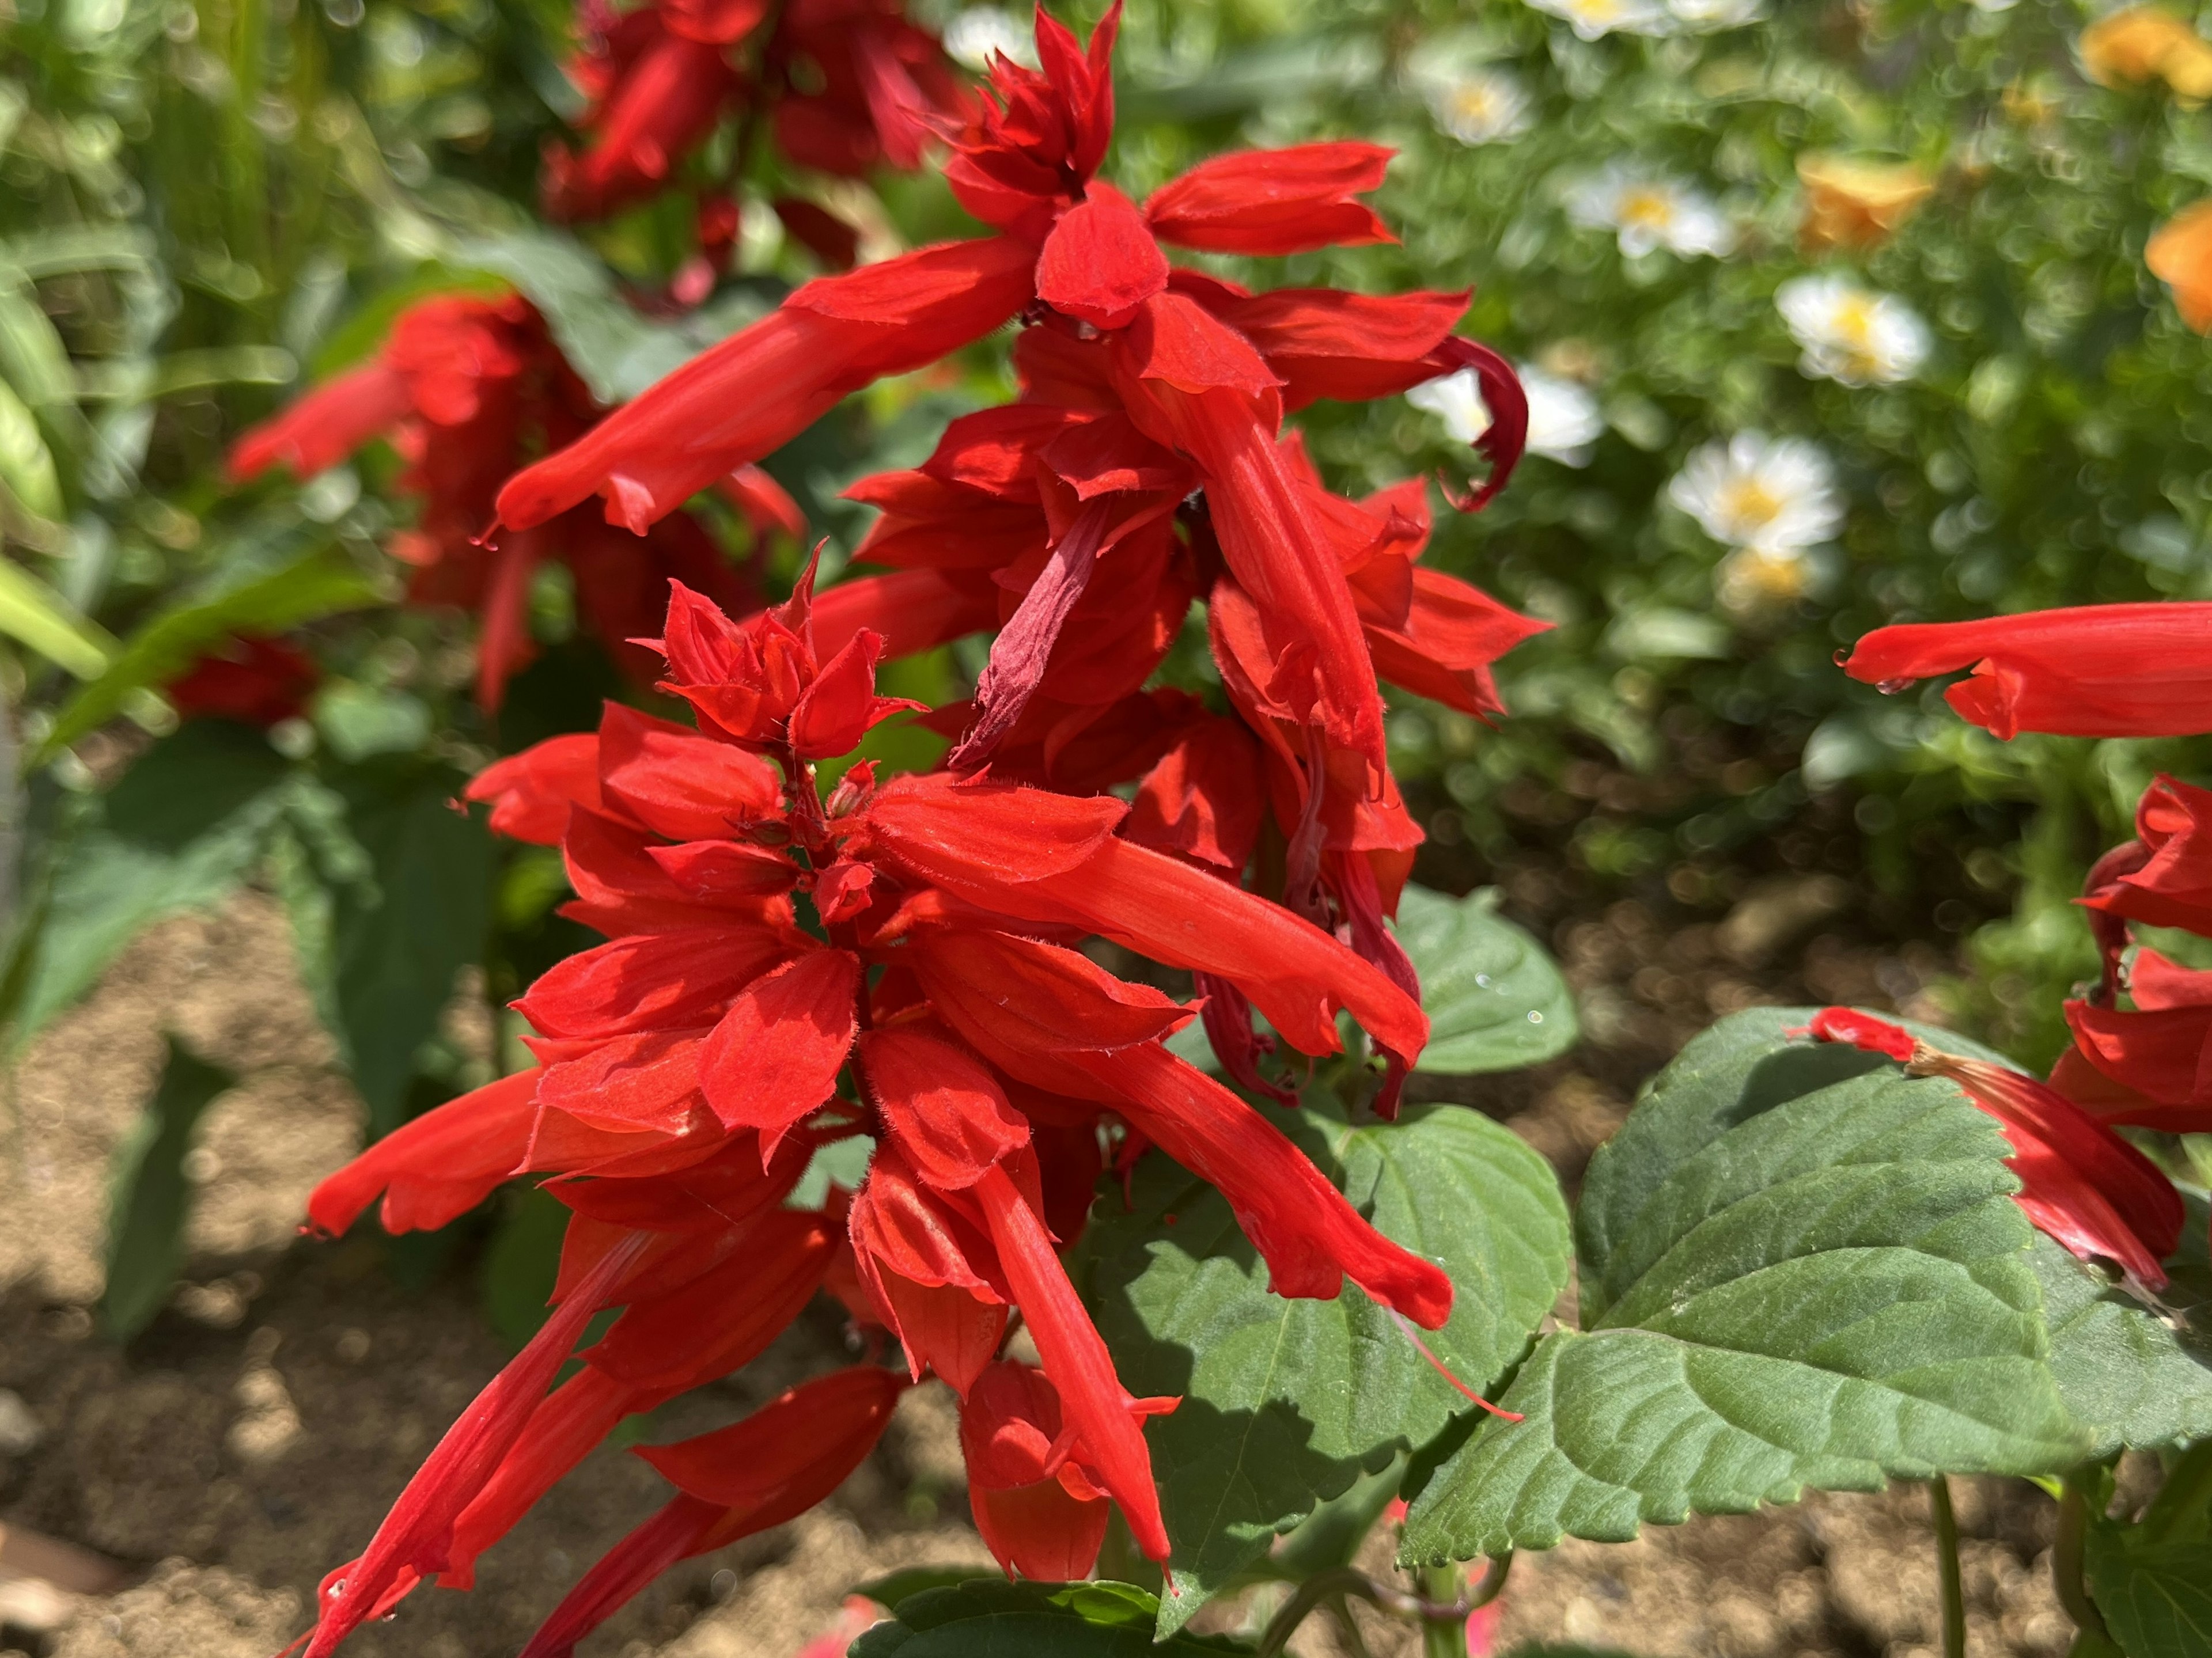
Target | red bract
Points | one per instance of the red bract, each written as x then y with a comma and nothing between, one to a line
1198,372
2097,670
257,680
2080,1182
465,389
784,969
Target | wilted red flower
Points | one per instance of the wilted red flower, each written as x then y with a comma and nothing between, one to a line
2080,1182
257,680
1199,372
690,1065
465,388
2094,670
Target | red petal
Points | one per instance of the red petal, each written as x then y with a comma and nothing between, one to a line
988,833
531,791
325,426
724,1318
677,783
945,1111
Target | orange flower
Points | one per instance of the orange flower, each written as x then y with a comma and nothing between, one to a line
2180,256
1857,204
2147,43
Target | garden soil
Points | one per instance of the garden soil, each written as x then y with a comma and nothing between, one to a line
250,1438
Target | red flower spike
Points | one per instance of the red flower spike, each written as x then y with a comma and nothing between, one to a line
2147,1067
2170,883
775,1055
765,383
652,982
1274,200
1009,1437
1100,263
2097,671
941,1108
772,1467
416,1536
2080,1182
1097,1409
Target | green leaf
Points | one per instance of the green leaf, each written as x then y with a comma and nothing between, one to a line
991,1619
179,832
26,465
1495,1001
2155,1593
520,1264
33,614
318,584
408,884
890,1590
1799,1268
2131,1377
1286,1403
148,1194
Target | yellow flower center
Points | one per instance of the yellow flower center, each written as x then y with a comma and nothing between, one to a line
1651,208
1749,503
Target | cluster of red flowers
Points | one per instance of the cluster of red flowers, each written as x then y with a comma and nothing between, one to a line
900,959
2101,671
466,389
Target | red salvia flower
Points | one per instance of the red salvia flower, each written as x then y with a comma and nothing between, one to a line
465,389
690,1065
2080,1182
2097,670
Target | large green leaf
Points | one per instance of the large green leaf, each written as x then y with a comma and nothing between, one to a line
1799,1268
179,832
400,903
987,1618
319,583
1285,1403
1495,1001
149,1194
2153,1580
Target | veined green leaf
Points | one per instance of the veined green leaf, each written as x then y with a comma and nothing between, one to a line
150,1195
320,583
1799,1268
35,615
1494,999
1286,1403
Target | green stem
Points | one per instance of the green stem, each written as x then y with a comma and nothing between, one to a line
1947,1567
1444,1630
2067,1561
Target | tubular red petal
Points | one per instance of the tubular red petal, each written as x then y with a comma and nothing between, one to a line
729,1189
1325,342
775,1055
677,783
987,832
1312,1239
677,1531
2096,670
680,979
325,426
829,339
2147,1068
1075,1357
1205,798
1031,1521
1032,995
436,1167
1040,1531
417,1534
1274,200
724,1318
913,610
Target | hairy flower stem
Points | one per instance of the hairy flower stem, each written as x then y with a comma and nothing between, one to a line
1947,1567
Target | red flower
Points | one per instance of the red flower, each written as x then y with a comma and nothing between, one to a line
258,681
2097,670
466,388
2080,1182
1199,371
1037,1511
690,1065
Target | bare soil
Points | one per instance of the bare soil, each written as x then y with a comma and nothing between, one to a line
252,1437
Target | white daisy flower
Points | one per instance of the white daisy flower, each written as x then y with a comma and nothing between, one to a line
1480,106
1852,334
1562,417
1649,210
1594,19
977,35
1776,496
1702,16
